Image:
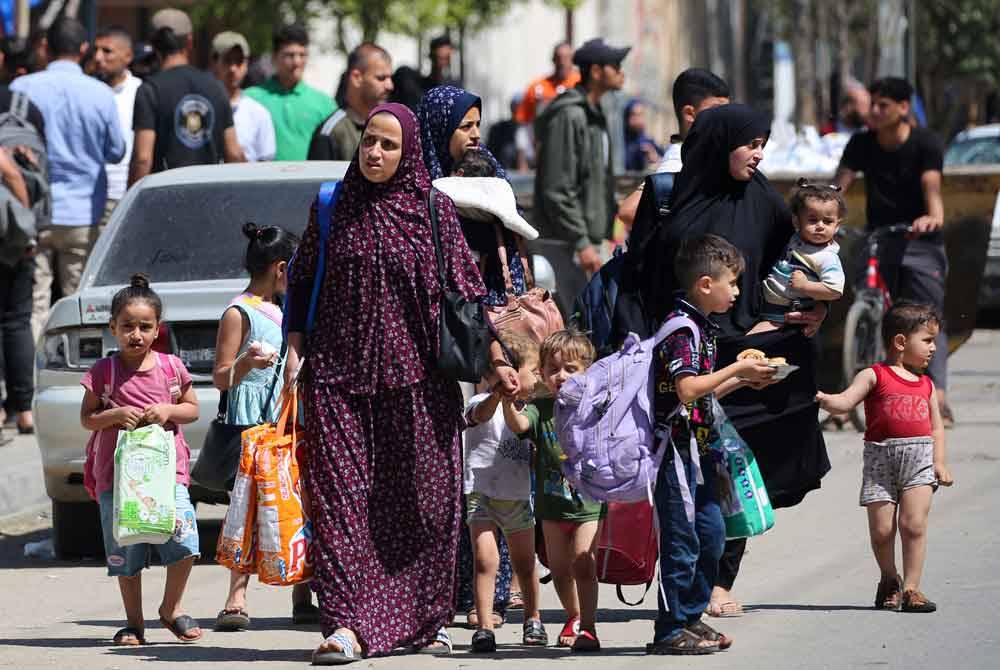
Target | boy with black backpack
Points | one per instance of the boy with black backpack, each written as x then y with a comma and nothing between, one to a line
690,520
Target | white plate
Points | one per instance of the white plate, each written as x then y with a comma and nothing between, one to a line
782,371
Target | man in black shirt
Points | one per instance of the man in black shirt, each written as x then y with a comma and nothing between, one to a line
182,115
902,167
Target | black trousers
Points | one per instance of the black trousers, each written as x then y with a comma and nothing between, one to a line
17,349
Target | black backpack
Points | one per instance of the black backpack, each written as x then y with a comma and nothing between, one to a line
610,307
19,225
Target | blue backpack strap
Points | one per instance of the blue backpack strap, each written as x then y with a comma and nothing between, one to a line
329,192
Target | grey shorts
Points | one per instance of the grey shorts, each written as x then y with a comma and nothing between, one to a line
895,465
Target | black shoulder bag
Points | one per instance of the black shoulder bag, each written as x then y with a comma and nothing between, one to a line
465,332
219,458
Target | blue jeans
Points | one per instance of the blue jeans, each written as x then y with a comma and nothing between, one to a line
689,553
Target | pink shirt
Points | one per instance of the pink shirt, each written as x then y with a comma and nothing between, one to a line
133,388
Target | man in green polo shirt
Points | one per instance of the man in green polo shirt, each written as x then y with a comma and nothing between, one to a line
296,108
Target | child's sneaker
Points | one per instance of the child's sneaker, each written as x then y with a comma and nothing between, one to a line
889,595
915,601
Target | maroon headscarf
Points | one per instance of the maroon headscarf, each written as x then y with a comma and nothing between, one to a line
377,318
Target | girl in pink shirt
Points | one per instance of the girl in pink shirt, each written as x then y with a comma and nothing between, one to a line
138,387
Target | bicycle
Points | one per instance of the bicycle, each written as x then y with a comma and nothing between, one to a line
863,345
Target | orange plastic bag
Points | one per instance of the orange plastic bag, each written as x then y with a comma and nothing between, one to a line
283,531
238,538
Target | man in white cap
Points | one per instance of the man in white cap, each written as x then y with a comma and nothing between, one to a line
254,129
182,115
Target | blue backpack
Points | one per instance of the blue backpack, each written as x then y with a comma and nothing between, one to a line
596,310
329,193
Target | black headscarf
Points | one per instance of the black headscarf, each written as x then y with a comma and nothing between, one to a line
706,199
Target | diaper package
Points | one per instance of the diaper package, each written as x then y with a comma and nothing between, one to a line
144,486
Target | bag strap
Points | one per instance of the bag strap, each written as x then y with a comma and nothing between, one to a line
436,238
621,596
502,254
329,193
529,276
166,363
19,105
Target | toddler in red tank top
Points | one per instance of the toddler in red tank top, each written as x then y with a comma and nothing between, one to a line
904,459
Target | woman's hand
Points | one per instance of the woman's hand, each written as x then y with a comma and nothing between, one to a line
812,320
510,383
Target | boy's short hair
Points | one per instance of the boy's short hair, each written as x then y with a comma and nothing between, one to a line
905,318
895,88
571,344
705,256
694,85
519,348
807,190
475,163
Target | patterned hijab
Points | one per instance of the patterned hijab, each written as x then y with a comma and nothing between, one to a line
440,112
403,195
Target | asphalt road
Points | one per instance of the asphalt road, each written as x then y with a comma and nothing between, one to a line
807,585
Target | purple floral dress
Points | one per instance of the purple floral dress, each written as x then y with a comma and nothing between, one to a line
383,460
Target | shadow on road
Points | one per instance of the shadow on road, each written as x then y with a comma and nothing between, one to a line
200,653
56,642
206,621
809,608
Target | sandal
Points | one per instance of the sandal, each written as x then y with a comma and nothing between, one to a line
484,642
346,654
706,632
534,634
915,601
472,619
569,631
889,594
586,642
305,614
726,610
516,601
181,627
232,619
129,637
439,646
683,643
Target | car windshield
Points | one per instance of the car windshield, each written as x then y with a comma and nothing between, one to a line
192,232
981,151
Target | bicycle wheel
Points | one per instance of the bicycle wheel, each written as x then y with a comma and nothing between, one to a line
862,345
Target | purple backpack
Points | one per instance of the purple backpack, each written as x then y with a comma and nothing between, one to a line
604,419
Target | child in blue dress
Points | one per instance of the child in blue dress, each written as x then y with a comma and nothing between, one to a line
249,371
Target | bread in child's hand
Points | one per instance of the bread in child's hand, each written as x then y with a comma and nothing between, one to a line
755,354
777,360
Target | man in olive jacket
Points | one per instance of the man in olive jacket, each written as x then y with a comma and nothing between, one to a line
574,189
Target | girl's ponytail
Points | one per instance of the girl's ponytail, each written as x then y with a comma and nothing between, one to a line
137,290
267,245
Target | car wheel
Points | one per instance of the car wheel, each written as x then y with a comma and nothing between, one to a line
76,530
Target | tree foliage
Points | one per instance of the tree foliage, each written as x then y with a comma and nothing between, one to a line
255,19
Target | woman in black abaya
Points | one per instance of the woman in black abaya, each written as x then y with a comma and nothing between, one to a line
720,191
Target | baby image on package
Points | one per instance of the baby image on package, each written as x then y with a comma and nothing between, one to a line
144,486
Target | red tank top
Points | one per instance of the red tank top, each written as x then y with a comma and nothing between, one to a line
897,407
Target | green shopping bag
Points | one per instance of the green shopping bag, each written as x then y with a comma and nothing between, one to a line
144,486
746,508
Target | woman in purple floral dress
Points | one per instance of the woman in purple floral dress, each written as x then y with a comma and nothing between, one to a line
382,456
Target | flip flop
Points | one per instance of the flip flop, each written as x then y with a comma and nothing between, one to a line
180,626
443,648
727,610
570,629
234,619
586,642
129,637
331,657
